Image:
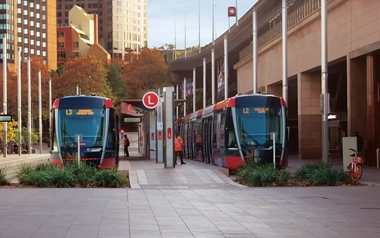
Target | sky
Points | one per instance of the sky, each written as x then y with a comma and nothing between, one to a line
166,20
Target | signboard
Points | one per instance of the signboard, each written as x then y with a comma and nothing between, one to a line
231,11
150,100
5,118
160,126
132,119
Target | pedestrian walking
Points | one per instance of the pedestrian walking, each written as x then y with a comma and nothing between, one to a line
126,145
178,148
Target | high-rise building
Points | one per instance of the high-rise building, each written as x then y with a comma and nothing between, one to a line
79,37
31,26
123,24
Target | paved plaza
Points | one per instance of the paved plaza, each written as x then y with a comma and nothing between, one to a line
191,200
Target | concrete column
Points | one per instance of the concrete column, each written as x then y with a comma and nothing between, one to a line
309,116
372,112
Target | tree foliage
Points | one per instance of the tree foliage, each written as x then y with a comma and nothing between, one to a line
12,130
116,82
86,72
149,67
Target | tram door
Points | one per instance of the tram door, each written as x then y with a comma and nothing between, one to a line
207,139
184,138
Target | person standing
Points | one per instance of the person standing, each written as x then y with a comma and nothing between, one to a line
178,145
126,145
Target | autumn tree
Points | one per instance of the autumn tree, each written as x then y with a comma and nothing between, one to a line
149,67
86,72
116,82
12,90
12,130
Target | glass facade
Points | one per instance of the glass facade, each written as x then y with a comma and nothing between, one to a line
7,28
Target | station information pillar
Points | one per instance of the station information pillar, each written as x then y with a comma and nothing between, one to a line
169,129
152,135
159,132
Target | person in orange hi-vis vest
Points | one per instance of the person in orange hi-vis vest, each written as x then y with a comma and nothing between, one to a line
178,144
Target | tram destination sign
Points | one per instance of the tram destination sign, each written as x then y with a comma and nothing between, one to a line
5,118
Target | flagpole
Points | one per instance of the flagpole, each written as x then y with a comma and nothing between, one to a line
254,51
199,25
175,38
237,19
213,41
185,34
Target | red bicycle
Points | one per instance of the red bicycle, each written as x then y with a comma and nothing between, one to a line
355,168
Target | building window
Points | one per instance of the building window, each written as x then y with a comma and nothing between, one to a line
61,34
61,44
75,44
61,54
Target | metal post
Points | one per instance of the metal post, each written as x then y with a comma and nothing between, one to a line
284,51
254,51
40,109
19,101
78,149
175,38
324,80
213,41
229,29
212,76
159,129
225,67
194,90
50,102
274,148
184,96
204,82
176,97
199,25
377,158
29,110
185,34
5,107
237,19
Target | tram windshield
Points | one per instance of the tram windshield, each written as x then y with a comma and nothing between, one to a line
87,124
255,124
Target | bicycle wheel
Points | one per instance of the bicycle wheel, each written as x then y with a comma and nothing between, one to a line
356,172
